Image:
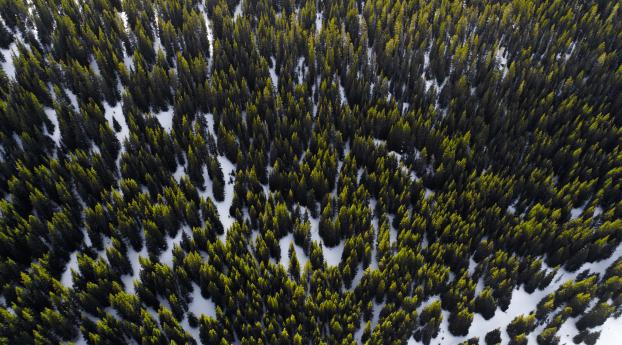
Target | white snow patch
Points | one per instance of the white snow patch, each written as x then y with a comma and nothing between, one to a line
116,112
300,70
67,279
210,35
166,257
133,256
502,60
578,211
428,193
318,21
123,16
81,340
512,207
223,207
7,65
51,113
611,332
300,254
199,305
472,266
237,12
166,119
73,98
332,256
179,173
523,303
273,77
342,93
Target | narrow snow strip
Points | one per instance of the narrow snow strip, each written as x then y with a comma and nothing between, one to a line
237,12
67,279
133,256
51,113
273,76
223,207
7,65
318,21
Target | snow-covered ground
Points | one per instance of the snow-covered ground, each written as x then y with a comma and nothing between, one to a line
51,113
502,60
332,256
611,332
318,21
7,65
116,113
237,12
67,279
228,169
165,118
273,76
523,303
166,257
300,254
133,256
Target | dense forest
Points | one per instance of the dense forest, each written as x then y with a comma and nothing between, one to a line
310,171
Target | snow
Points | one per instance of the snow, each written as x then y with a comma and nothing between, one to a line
7,65
273,76
124,19
223,207
116,112
300,254
428,193
342,93
577,211
502,60
81,340
179,173
238,10
611,332
300,70
200,305
332,256
318,21
512,207
166,119
51,113
166,257
472,266
67,279
73,99
357,276
210,35
523,303
228,170
566,332
94,66
128,280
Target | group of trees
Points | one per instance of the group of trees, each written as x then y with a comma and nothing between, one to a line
449,152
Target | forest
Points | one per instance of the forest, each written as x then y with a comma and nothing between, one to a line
310,172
